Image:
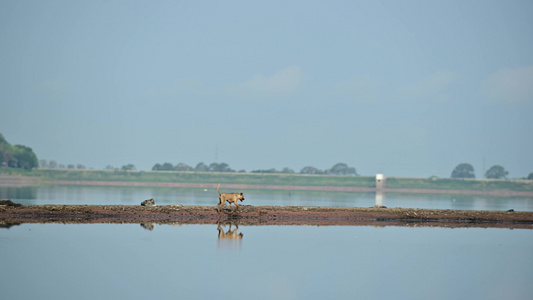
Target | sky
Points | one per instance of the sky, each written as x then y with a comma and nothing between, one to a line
403,88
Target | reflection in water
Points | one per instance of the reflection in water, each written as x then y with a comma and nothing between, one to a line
380,196
26,192
88,195
117,261
230,239
148,226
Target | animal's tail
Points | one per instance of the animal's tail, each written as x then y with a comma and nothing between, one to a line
218,188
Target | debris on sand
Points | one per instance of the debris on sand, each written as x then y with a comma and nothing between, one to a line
9,203
149,202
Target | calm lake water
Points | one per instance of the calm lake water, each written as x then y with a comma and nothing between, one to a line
166,196
151,261
127,261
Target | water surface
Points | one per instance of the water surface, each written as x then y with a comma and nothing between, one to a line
109,261
206,197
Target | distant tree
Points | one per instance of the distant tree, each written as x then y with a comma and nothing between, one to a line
70,166
52,164
463,170
128,167
167,167
182,167
201,167
496,172
6,157
220,167
61,166
43,164
530,177
164,167
287,171
109,167
342,169
80,167
25,157
311,170
266,171
17,156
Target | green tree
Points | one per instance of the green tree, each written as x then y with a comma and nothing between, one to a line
52,164
287,170
164,167
269,171
167,167
182,167
25,157
201,167
6,153
43,163
311,170
496,172
220,167
18,156
530,177
128,167
463,170
342,169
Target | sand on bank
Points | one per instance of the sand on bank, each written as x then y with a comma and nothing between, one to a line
263,215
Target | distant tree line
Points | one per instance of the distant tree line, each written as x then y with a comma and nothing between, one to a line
338,169
52,164
200,167
465,170
20,156
17,156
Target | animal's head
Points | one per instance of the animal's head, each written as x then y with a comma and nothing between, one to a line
240,197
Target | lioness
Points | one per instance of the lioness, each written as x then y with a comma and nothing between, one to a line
230,197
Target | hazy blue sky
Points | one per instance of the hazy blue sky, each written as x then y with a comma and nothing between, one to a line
407,88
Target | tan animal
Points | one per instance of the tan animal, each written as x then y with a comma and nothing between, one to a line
230,197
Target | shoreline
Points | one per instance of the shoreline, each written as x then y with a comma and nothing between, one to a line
263,215
19,180
502,193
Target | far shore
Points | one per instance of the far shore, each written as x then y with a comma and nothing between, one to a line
503,193
13,180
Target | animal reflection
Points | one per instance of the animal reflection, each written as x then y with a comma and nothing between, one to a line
229,240
230,234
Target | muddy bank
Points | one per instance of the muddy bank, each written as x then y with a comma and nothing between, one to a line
262,215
